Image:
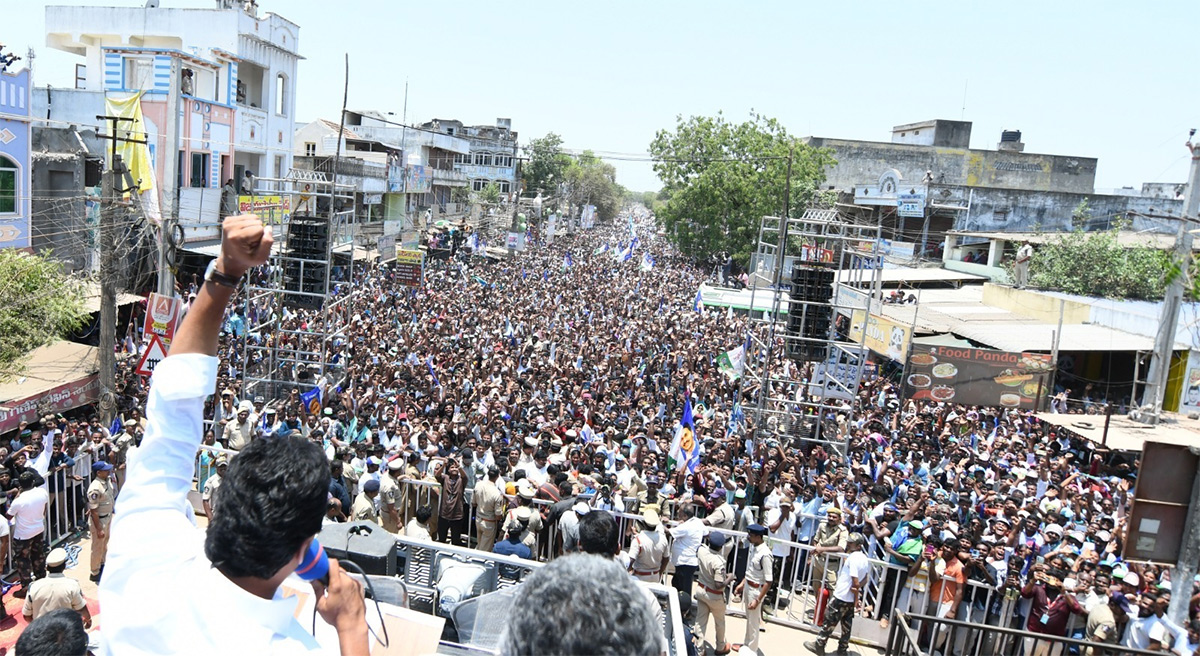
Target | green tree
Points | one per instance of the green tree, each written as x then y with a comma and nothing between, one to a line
721,178
38,304
592,181
490,194
546,166
1096,264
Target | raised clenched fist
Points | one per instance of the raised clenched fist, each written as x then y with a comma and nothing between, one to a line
246,244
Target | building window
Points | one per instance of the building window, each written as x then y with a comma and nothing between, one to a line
281,98
503,160
1000,216
310,149
504,188
483,159
478,185
80,76
139,73
8,185
199,170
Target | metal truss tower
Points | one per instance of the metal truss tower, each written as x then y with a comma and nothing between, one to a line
300,303
821,273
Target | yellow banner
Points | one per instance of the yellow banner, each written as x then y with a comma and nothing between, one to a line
880,334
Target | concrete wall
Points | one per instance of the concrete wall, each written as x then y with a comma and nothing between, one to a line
1010,210
861,162
938,132
1035,305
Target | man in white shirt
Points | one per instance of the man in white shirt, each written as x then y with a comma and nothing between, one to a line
28,512
165,590
847,596
685,545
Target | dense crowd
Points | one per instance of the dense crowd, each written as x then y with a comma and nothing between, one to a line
530,391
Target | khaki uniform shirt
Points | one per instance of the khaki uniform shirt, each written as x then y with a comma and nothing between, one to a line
529,537
647,551
52,593
100,497
759,565
389,497
488,499
722,517
712,569
238,436
364,509
826,565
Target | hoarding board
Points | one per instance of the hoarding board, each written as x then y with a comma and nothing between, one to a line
976,376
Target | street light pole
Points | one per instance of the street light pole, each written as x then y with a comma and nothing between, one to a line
512,228
1164,346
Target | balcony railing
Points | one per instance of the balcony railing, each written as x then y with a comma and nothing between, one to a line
349,166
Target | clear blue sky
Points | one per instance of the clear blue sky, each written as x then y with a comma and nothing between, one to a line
1106,79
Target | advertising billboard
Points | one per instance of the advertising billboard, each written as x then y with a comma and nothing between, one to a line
977,376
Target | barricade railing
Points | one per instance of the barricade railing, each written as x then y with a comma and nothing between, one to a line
66,513
206,463
914,634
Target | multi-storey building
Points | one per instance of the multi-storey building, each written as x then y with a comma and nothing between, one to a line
15,175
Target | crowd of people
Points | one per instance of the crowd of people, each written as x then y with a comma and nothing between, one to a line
529,393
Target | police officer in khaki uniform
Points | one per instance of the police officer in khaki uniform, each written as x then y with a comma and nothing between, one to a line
829,540
364,504
389,496
100,507
754,588
489,508
710,598
55,592
525,494
648,550
722,517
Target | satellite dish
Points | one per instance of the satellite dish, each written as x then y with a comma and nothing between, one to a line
151,4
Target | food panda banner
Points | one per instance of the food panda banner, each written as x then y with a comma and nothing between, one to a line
977,376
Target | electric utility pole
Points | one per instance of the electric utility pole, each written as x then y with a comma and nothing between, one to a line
112,212
170,183
1164,345
512,228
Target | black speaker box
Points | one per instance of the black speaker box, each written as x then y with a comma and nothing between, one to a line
365,543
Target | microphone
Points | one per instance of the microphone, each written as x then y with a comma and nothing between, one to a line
315,564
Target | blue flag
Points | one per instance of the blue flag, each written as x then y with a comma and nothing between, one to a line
567,261
429,363
311,400
699,304
117,426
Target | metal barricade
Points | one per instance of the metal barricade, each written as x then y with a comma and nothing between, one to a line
914,634
66,512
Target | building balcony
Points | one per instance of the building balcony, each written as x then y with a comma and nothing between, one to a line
449,178
348,166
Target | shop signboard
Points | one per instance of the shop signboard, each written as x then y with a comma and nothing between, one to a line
976,376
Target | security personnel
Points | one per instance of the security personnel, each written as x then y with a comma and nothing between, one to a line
100,507
55,592
489,508
710,598
829,541
364,504
389,496
525,494
759,576
648,550
722,517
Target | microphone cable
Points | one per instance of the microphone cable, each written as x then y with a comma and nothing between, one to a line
351,565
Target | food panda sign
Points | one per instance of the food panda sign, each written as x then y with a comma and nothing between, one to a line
977,376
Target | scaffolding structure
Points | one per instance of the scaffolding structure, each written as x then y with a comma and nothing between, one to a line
802,372
300,303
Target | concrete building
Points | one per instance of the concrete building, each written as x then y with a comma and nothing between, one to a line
67,167
16,189
492,150
431,177
373,167
237,102
928,181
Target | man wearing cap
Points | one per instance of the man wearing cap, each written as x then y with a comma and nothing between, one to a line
710,598
55,591
568,526
389,496
533,525
759,575
208,492
364,504
100,507
847,596
515,531
489,505
648,549
830,539
240,430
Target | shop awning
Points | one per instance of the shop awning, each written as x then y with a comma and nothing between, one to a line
91,298
1125,434
943,340
56,378
1033,336
910,274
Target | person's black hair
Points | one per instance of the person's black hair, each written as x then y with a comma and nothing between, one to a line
564,489
599,535
424,513
552,470
28,480
272,501
540,454
57,633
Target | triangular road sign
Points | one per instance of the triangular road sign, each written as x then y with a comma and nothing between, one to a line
154,354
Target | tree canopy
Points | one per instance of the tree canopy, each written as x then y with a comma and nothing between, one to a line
547,165
720,178
1096,264
592,181
38,304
